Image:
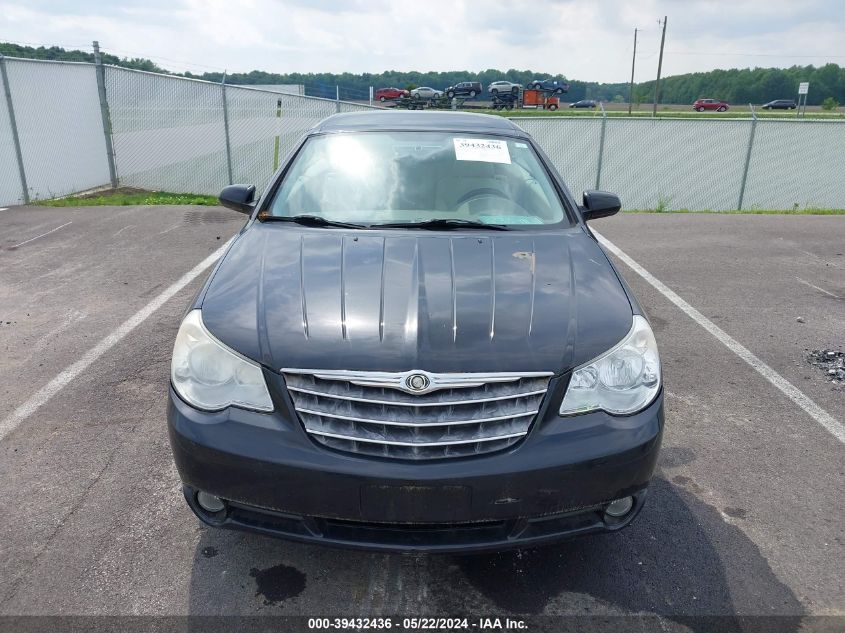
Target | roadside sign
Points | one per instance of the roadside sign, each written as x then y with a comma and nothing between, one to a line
803,87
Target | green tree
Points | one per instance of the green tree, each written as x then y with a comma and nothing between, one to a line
57,53
830,104
736,85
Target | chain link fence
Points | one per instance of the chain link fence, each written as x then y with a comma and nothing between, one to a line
167,133
183,135
699,164
59,128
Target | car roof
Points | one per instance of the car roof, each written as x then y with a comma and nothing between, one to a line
376,120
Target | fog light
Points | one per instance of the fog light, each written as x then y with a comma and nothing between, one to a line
619,507
210,503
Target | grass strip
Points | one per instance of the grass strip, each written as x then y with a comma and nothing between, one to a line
128,199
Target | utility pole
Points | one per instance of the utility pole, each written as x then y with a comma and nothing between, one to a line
633,63
659,68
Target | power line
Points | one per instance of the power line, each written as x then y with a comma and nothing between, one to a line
698,53
80,47
84,48
163,59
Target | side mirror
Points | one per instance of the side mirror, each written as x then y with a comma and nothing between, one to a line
600,204
238,197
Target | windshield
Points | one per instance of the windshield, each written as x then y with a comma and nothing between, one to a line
376,178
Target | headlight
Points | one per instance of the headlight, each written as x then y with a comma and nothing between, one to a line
209,375
622,381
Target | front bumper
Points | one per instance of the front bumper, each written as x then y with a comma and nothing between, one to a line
277,481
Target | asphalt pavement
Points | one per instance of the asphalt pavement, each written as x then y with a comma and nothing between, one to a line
744,517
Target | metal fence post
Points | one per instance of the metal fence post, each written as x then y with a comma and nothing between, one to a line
13,124
601,145
337,99
277,141
747,158
104,112
226,132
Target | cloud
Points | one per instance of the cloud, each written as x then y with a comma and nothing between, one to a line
581,39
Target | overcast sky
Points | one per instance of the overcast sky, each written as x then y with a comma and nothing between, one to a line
582,39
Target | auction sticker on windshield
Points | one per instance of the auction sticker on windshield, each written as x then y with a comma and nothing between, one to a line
482,150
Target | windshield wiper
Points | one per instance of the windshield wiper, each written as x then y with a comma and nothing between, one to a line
310,220
442,223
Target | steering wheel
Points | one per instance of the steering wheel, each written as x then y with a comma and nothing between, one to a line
488,192
482,192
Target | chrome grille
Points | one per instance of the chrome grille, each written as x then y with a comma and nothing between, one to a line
377,413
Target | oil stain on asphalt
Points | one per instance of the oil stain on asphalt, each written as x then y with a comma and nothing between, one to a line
209,216
277,584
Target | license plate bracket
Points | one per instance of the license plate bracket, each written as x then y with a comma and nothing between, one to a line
415,504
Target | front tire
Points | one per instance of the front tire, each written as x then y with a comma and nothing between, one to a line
382,99
451,94
700,108
471,94
553,107
721,109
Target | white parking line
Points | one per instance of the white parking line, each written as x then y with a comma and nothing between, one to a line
814,287
32,239
834,426
4,208
43,395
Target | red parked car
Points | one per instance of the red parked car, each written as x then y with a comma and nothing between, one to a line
386,94
710,104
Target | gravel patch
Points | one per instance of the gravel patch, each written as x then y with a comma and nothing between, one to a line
832,362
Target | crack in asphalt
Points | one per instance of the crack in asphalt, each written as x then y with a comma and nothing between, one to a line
17,582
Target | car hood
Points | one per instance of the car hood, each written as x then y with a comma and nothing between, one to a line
314,298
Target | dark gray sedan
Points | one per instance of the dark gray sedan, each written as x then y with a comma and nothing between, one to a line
780,104
416,343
